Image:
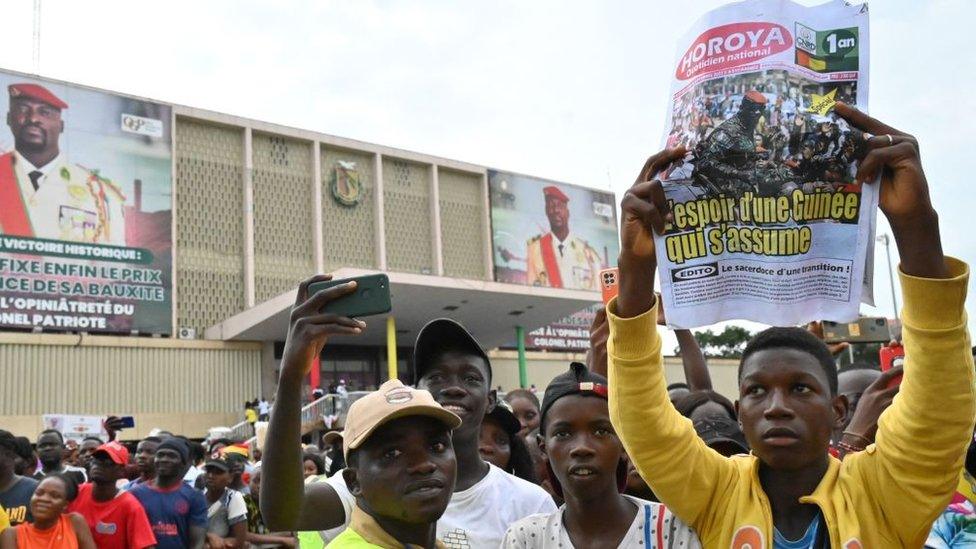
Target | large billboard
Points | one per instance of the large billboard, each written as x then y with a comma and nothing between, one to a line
85,221
550,234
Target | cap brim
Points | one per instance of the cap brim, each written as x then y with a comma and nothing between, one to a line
449,419
222,466
110,455
720,440
434,335
509,422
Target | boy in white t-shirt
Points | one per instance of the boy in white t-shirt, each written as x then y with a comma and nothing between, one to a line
588,467
450,364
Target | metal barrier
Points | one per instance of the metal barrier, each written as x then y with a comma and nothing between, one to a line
315,413
241,431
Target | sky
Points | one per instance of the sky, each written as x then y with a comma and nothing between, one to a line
569,90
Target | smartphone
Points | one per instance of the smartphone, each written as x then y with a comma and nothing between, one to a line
128,422
372,296
609,283
891,357
866,330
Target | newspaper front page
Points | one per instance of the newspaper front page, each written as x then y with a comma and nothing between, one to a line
769,224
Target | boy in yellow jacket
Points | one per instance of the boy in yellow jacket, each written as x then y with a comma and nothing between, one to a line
789,490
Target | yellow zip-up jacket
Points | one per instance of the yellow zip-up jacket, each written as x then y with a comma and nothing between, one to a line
886,496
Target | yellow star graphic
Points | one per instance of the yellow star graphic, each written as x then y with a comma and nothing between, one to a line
822,104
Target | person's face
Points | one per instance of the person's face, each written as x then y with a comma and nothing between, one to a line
309,469
851,384
538,458
85,452
8,459
405,471
236,469
255,485
557,210
526,412
636,485
35,125
168,463
217,479
583,449
459,382
145,454
495,446
103,470
50,449
49,500
785,408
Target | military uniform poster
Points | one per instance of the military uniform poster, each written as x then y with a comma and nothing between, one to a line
85,227
550,234
769,222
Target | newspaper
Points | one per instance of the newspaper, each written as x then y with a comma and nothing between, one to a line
769,223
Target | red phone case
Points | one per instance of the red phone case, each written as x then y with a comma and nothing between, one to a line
888,356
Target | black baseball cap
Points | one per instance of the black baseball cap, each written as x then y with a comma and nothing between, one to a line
578,380
722,434
502,413
218,464
444,334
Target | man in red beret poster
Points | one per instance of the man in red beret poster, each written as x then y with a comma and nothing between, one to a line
44,195
558,258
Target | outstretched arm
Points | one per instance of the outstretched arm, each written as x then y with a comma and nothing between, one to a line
693,361
286,503
922,438
684,473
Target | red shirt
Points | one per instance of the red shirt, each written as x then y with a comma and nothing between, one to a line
117,524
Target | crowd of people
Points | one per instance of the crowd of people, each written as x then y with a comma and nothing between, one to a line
756,132
612,456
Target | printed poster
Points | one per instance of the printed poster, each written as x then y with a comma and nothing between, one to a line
85,227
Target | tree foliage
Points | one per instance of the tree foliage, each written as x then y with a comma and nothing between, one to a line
729,343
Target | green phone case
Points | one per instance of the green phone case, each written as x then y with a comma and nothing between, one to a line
372,296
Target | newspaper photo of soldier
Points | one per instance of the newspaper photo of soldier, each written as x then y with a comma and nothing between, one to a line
767,133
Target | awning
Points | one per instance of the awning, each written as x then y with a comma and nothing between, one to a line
489,310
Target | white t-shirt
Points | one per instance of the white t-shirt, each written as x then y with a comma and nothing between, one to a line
476,518
654,527
227,511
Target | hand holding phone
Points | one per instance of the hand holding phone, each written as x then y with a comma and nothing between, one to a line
371,296
309,327
892,356
609,283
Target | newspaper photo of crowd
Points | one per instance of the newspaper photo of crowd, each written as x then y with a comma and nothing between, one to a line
757,132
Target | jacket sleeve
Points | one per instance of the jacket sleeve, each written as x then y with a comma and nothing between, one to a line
913,468
693,480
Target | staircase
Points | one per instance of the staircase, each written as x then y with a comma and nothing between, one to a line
313,417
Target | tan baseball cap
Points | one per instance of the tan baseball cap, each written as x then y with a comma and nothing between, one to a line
391,401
